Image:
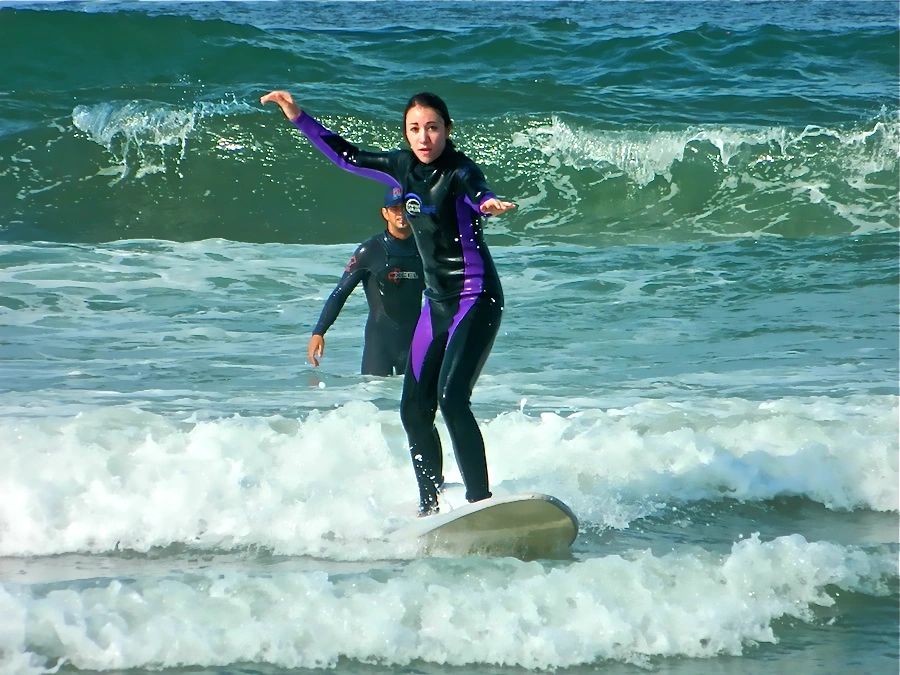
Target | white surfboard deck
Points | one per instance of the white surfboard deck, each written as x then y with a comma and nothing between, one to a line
528,526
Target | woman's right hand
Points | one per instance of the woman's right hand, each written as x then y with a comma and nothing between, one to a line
285,101
315,349
494,206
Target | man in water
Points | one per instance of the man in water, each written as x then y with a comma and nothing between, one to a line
390,268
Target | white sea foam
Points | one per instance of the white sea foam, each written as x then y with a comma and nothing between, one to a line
644,155
123,478
137,134
726,180
451,612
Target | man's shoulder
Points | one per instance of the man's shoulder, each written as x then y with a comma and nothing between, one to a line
371,248
374,239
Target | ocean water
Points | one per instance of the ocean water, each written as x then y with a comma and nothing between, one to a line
699,352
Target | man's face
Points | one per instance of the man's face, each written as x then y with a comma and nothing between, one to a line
393,216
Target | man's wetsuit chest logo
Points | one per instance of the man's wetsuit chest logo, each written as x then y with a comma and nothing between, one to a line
397,274
401,261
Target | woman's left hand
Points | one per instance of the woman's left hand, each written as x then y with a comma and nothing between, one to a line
494,206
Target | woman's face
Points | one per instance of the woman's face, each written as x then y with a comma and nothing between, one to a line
426,133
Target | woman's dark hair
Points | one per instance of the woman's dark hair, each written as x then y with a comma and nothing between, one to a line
426,99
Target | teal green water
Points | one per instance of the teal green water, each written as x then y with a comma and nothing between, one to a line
712,122
699,350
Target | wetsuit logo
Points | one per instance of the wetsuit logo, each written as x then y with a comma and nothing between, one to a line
350,264
396,275
415,207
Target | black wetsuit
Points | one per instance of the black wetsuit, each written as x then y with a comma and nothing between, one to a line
463,300
391,272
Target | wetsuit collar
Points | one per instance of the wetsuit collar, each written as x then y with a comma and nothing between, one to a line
447,156
389,237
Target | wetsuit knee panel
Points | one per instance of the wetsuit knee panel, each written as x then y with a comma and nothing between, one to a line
454,398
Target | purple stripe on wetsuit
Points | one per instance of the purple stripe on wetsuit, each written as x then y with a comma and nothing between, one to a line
473,274
316,133
473,284
422,338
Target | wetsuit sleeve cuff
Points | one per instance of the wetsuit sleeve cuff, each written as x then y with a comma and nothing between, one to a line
482,199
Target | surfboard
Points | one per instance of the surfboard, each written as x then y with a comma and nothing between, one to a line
528,526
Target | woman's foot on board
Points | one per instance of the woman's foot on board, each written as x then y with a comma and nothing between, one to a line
428,503
428,509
